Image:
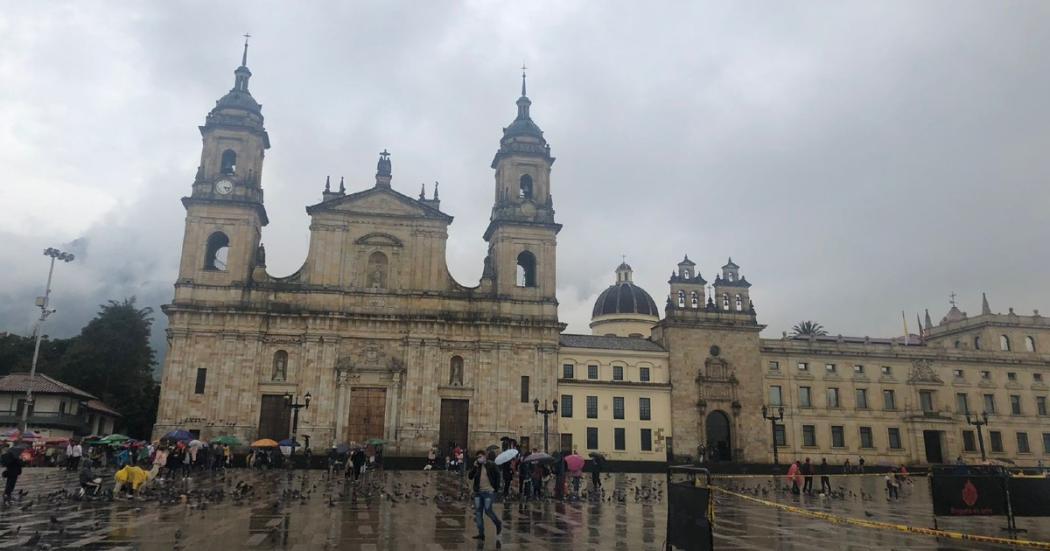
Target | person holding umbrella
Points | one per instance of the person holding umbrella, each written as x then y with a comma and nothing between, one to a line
485,479
574,464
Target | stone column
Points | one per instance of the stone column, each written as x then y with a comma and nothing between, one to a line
342,389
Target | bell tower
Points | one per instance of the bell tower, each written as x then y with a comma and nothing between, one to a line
224,212
522,232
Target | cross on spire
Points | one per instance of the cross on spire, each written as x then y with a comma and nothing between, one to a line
523,78
244,57
951,298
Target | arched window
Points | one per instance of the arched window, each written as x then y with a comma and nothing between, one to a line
732,276
526,275
217,252
1004,342
958,344
739,304
377,270
525,187
455,371
229,162
280,366
977,343
725,301
681,299
1029,344
694,300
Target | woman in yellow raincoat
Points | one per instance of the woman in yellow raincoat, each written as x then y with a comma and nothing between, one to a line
130,475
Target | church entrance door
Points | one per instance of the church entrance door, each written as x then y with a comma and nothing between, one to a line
454,424
274,417
718,442
367,414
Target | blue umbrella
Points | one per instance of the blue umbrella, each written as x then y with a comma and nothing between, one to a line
288,442
342,448
179,434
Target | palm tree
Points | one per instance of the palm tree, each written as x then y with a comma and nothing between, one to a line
809,329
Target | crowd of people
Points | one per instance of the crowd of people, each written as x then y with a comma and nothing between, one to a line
800,476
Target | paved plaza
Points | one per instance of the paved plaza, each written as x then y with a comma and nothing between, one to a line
421,510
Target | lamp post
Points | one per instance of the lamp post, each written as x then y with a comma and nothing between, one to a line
979,422
773,428
546,413
42,303
295,407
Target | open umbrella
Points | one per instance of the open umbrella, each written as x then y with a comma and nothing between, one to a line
289,443
342,448
574,462
179,434
538,456
196,444
506,456
376,442
264,443
227,440
114,439
597,455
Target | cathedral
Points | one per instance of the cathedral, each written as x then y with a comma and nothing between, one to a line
377,340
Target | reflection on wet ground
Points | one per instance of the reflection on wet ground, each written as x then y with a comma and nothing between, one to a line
432,510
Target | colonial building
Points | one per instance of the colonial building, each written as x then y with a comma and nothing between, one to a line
388,345
58,410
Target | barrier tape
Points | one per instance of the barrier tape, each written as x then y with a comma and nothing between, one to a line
1031,544
814,475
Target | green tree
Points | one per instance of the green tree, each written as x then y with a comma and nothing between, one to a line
112,359
808,328
16,353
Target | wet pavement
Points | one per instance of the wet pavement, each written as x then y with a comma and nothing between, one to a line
432,510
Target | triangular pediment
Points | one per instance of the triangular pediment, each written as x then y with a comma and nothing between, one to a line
379,201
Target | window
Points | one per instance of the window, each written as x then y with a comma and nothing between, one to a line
809,435
725,301
1022,443
568,371
739,304
866,439
803,366
862,398
218,249
962,404
958,373
455,371
566,405
1015,404
62,408
977,343
989,403
1046,442
858,369
1037,377
617,407
647,440
887,371
838,437
1011,376
524,388
833,397
681,299
376,272
776,398
525,187
526,275
804,398
1040,404
280,366
997,440
645,409
830,368
643,374
969,441
202,379
620,438
986,375
780,435
1004,343
774,366
617,372
889,400
592,438
694,300
894,435
926,401
1029,344
229,162
592,407
592,372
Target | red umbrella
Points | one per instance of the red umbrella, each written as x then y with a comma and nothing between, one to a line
574,462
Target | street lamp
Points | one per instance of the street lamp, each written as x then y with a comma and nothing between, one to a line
979,422
545,413
773,428
42,303
295,407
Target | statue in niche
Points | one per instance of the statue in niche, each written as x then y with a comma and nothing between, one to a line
377,268
455,375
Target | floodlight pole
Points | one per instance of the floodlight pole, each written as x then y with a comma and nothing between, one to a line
42,303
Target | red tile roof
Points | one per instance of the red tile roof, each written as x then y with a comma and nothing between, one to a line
42,384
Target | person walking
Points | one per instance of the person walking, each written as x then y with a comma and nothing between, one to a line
596,473
892,486
77,453
485,479
807,471
825,480
69,455
506,477
576,481
794,477
559,476
12,464
357,462
523,477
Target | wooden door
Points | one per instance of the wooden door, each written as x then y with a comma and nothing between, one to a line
454,424
274,417
367,414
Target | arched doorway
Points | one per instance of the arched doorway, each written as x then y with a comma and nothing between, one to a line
718,442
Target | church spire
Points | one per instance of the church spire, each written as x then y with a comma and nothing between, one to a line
523,94
244,56
984,304
242,74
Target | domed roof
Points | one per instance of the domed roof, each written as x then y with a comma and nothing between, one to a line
624,297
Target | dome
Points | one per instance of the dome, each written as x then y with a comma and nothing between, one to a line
625,298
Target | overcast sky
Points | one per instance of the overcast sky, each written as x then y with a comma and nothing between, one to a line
856,159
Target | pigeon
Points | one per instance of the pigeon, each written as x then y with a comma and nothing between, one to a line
867,514
34,539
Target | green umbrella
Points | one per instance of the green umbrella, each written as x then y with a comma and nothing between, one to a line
376,442
114,439
227,440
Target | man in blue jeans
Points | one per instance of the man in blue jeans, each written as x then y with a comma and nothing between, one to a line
485,479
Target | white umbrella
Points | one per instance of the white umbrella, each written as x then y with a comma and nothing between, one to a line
196,443
506,456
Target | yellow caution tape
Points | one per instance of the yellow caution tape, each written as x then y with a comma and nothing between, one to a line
890,526
837,475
